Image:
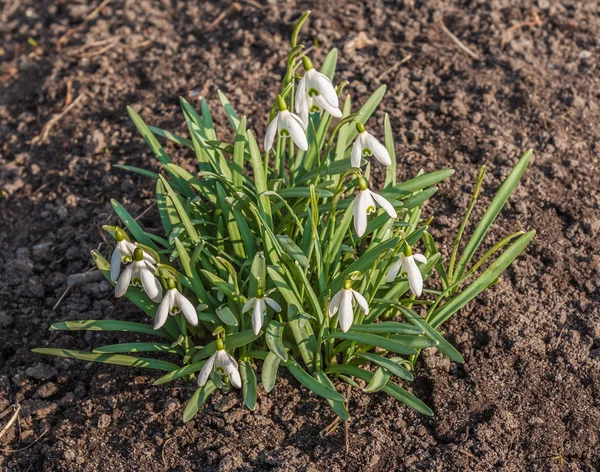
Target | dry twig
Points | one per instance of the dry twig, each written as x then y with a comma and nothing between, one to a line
535,22
10,451
458,42
12,419
394,67
233,7
55,119
91,16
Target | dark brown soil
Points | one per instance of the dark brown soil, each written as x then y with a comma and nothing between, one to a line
528,396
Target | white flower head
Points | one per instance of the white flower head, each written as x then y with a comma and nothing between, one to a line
407,265
173,303
224,364
315,93
286,124
140,273
364,204
343,302
259,303
367,145
123,253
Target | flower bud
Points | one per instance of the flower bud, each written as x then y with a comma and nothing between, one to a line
171,284
362,184
307,63
281,106
138,255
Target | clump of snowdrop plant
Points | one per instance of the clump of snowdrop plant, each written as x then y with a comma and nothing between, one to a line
296,258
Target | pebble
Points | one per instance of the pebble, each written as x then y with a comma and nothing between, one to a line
41,371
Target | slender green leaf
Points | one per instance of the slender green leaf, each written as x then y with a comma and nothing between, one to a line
197,400
274,338
117,359
136,347
269,371
394,367
368,339
248,384
492,211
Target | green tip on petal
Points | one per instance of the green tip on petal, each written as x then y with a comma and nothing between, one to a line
360,127
138,255
171,284
220,344
119,235
307,63
281,106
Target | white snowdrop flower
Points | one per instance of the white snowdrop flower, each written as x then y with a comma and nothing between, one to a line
364,204
123,253
260,303
140,273
407,264
173,303
343,302
315,93
286,124
367,145
224,364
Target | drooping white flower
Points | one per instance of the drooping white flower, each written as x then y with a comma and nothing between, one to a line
343,302
140,273
260,303
364,204
315,93
406,264
367,145
123,253
224,364
173,303
286,124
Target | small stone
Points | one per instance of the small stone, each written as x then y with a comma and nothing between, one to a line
104,421
39,408
41,371
46,390
95,143
5,320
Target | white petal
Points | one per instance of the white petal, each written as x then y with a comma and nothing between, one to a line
360,212
206,370
346,316
115,264
271,132
334,305
258,315
297,132
361,301
326,89
249,304
163,312
394,271
356,153
124,280
415,279
151,285
420,258
379,150
301,103
231,369
273,304
332,110
126,248
187,309
385,204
